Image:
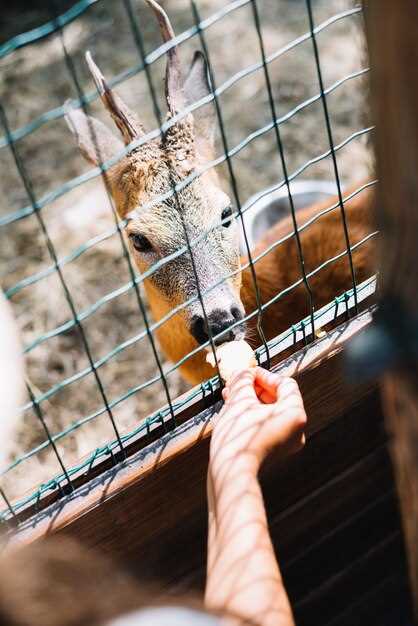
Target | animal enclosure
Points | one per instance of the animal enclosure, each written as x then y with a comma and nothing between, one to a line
287,95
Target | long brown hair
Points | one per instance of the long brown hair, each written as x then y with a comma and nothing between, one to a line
58,582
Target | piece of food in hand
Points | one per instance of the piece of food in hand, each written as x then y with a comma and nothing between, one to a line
232,357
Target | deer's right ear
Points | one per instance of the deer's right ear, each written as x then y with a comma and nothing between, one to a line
196,87
96,142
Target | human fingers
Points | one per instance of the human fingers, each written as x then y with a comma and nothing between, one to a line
286,427
265,397
288,393
289,407
266,384
241,386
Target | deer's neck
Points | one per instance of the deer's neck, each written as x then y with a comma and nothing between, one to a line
175,338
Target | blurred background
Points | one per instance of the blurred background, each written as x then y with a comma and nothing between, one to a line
35,79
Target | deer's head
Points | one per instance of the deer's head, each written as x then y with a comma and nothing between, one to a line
200,212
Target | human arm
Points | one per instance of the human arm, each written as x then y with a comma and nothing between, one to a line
261,411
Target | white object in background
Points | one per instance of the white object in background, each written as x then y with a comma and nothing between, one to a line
269,206
166,616
11,378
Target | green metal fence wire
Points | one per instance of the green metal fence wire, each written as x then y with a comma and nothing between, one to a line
60,112
153,327
51,250
160,120
31,280
50,439
62,483
331,144
232,179
139,299
103,451
283,163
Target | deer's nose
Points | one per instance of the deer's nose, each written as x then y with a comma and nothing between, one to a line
219,322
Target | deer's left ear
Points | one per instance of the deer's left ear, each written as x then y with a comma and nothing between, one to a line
196,87
96,142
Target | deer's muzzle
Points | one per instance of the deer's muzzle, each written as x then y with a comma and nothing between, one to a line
220,324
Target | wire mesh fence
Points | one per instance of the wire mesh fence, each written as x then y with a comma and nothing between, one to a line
92,375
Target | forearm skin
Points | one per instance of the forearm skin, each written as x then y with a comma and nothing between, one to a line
243,577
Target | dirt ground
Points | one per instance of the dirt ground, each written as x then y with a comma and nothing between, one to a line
34,80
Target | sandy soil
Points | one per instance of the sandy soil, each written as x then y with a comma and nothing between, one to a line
35,79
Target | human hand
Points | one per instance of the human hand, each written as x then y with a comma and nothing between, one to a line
262,411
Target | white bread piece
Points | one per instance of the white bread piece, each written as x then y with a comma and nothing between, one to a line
232,357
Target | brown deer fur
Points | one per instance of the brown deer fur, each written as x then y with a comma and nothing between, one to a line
281,268
321,241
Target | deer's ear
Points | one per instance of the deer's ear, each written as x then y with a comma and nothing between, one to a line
196,87
96,142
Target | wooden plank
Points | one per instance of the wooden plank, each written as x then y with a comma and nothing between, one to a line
319,562
386,604
313,518
338,592
334,482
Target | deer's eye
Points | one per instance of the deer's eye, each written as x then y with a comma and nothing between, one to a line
227,212
140,242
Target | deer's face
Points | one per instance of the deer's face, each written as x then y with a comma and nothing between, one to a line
201,215
203,279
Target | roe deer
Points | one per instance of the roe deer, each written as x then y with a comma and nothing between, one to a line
206,212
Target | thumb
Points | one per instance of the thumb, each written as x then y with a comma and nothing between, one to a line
241,386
